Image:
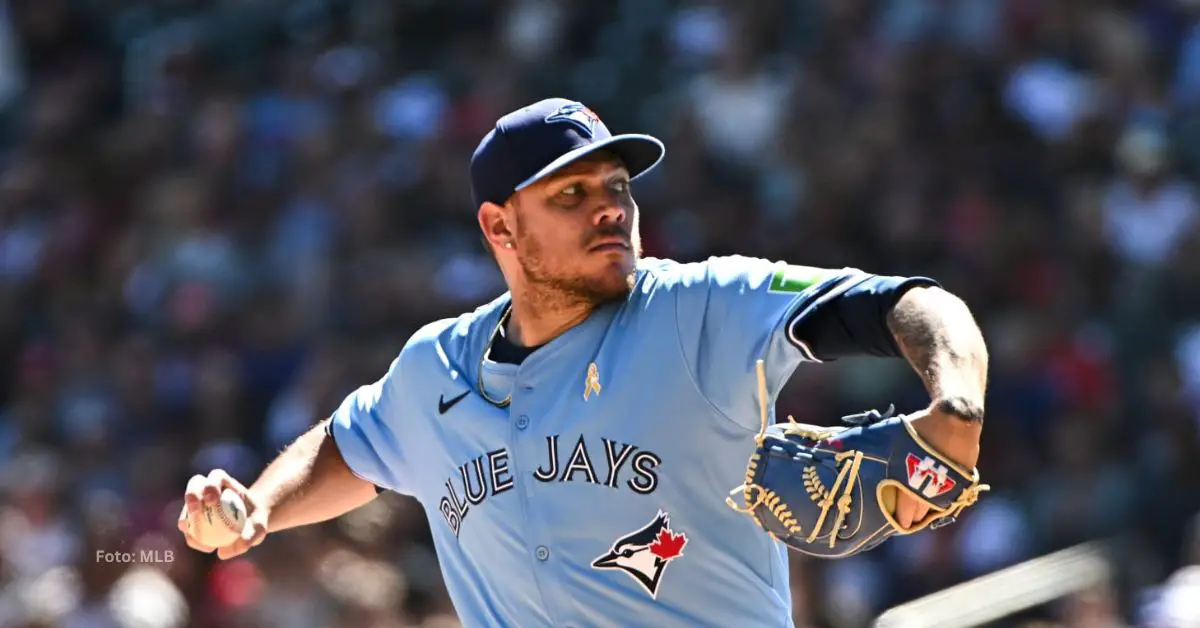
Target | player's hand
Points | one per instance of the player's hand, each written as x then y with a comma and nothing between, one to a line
955,438
206,490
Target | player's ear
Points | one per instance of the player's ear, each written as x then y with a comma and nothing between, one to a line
494,223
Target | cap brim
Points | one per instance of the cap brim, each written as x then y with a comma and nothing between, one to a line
639,152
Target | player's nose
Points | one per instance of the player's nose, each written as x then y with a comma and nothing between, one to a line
611,212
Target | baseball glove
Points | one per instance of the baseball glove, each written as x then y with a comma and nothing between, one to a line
831,492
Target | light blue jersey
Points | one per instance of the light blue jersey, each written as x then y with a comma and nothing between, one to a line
596,497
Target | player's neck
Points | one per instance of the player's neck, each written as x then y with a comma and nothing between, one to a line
539,318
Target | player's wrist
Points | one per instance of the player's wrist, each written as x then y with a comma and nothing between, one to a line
957,440
960,408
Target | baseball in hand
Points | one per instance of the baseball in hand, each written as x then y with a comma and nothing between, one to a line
221,524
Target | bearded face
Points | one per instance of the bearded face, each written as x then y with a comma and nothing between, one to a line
576,232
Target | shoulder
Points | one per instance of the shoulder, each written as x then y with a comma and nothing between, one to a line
451,341
738,273
429,337
667,273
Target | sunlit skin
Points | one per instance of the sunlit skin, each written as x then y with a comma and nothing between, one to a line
565,245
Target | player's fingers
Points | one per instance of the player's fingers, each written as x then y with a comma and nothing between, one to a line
193,496
910,510
224,481
184,526
903,512
218,480
187,533
196,545
211,495
227,481
252,534
906,510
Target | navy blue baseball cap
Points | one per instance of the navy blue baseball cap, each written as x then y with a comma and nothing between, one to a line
530,143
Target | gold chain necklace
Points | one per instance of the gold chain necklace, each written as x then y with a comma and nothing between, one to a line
486,350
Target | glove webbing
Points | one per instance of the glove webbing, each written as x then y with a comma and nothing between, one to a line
848,473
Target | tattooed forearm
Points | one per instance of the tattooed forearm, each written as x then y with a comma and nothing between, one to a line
938,335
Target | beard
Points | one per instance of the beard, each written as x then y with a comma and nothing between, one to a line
552,284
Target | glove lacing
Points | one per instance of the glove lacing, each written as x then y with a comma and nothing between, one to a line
755,495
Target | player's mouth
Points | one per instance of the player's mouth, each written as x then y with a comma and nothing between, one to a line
611,244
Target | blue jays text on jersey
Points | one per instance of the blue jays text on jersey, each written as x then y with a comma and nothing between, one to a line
584,500
489,475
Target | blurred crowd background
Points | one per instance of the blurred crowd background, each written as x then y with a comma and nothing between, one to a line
218,218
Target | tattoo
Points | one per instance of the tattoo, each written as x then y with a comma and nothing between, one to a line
938,336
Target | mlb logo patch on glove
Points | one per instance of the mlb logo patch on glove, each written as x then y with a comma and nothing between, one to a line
831,492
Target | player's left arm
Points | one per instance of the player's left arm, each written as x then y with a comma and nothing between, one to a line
913,318
939,337
933,329
936,332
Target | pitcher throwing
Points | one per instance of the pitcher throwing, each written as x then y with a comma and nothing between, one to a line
573,442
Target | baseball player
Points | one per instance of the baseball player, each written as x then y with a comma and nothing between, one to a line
573,440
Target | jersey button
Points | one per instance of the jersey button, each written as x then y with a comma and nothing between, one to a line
542,553
522,422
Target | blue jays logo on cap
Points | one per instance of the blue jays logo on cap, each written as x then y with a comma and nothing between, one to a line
575,113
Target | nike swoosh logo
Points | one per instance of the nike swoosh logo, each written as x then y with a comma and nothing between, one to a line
444,406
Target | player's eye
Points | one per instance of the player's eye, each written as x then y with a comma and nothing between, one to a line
621,186
570,195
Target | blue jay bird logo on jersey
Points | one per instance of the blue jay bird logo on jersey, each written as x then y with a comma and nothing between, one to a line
644,554
578,115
